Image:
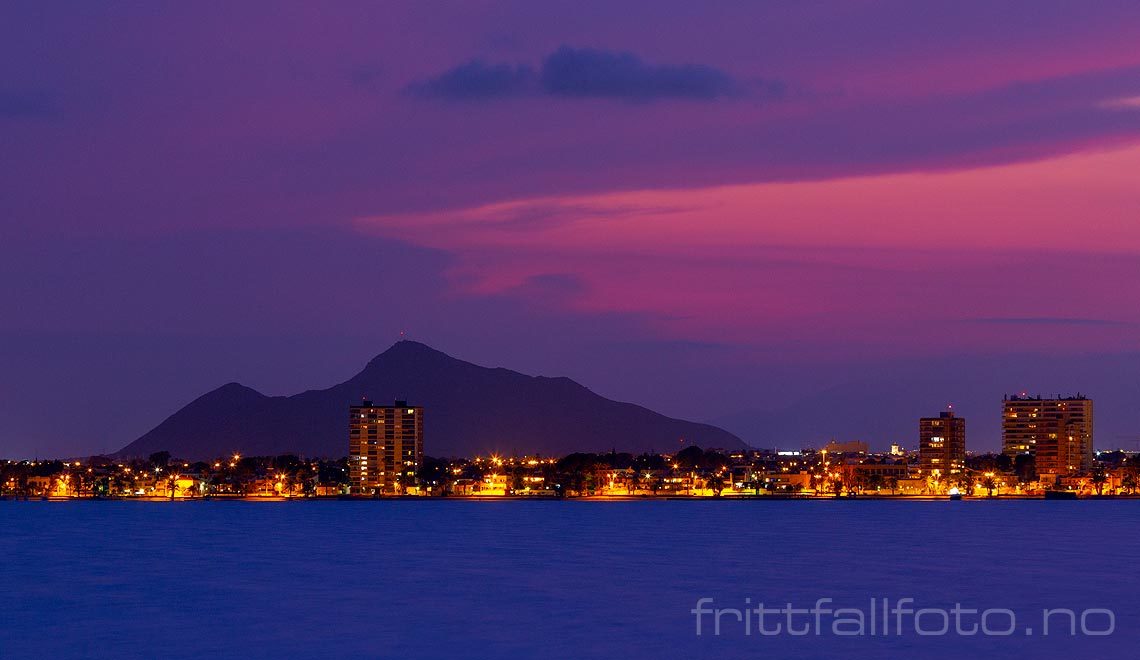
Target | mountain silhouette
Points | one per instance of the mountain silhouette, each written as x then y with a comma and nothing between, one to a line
469,410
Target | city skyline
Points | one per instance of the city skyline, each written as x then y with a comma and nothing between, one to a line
1047,454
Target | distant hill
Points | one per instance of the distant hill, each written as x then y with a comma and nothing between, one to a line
469,410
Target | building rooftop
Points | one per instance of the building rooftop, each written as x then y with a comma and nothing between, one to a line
367,403
1038,397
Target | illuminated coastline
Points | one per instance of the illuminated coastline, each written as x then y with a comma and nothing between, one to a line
691,473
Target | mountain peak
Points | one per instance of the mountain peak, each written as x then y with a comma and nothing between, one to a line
405,353
409,346
471,410
233,391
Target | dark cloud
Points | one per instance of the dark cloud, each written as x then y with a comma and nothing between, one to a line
478,80
26,105
589,73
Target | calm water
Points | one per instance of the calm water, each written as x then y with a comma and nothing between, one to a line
547,579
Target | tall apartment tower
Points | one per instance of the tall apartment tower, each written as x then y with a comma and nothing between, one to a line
942,444
385,446
1058,432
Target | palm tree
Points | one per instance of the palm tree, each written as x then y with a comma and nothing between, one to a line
78,481
934,483
292,481
1128,483
1099,477
965,484
716,483
118,483
989,483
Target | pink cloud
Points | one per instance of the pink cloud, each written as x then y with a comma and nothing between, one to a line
965,259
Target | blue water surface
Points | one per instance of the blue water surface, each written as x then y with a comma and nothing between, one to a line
550,579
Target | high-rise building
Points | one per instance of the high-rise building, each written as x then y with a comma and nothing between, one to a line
1057,432
942,444
385,446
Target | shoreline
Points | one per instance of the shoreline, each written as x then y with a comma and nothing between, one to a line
585,498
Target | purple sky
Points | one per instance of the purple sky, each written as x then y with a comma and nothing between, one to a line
737,212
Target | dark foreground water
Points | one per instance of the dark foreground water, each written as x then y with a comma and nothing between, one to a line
559,579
